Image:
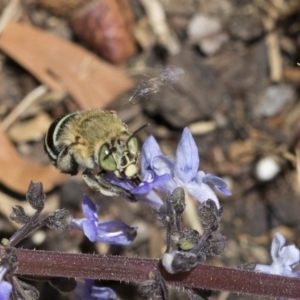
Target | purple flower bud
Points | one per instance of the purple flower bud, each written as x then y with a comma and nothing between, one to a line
178,261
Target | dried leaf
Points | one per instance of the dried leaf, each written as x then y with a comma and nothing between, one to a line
30,130
62,65
17,172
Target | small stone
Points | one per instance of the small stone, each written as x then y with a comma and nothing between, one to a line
266,169
207,32
245,26
274,99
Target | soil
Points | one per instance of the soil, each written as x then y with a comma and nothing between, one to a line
234,81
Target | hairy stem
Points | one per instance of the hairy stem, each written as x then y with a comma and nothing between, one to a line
134,269
24,231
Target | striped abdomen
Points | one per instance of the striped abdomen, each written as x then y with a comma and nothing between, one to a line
54,132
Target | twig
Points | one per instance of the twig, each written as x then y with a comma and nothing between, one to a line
158,22
274,55
12,12
298,165
30,98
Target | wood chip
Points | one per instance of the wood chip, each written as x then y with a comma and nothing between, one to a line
158,22
201,128
274,55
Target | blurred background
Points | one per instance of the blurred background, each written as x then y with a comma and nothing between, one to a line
227,69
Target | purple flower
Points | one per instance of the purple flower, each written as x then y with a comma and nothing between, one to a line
285,258
156,169
150,197
150,182
109,232
87,291
165,174
5,287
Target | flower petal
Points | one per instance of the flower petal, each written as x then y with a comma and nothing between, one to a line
263,268
124,183
151,199
218,182
89,208
87,291
277,243
290,255
5,290
77,223
201,192
150,149
103,293
146,186
90,229
162,164
78,293
116,233
187,158
284,258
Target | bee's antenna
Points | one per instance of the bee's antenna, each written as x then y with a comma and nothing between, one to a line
113,149
136,132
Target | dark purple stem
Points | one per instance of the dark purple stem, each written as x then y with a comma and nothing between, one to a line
134,269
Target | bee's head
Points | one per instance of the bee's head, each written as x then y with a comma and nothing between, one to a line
120,155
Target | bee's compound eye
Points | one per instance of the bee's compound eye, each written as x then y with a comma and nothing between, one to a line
106,160
133,145
131,171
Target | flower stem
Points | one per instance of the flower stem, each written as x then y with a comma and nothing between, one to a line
135,269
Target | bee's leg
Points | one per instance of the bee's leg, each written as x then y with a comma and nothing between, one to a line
113,190
89,179
136,180
66,162
99,183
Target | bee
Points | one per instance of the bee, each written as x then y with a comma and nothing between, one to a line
91,138
98,138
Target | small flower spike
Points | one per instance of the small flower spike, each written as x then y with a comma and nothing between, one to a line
285,258
87,291
165,174
109,232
